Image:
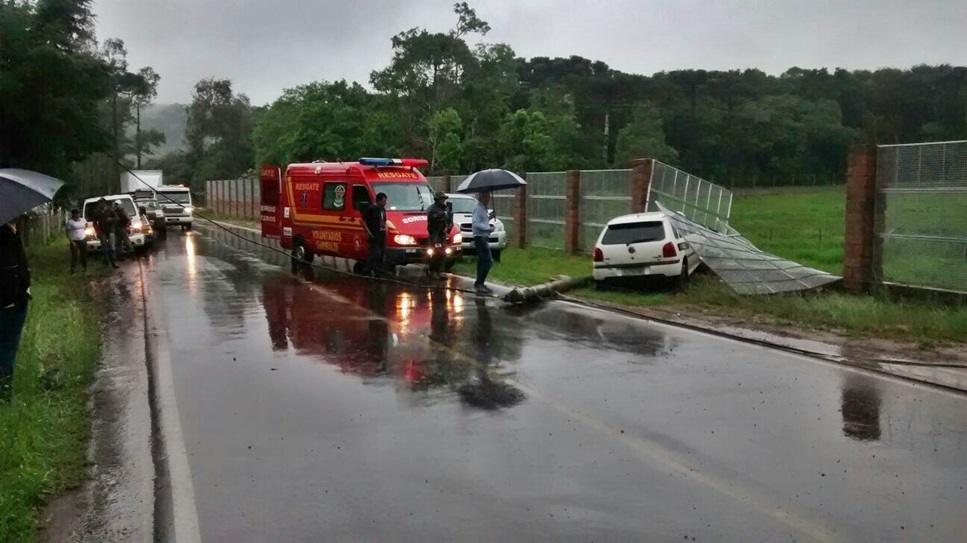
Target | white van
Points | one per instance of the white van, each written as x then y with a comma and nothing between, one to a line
136,232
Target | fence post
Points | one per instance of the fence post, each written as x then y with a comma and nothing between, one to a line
251,194
520,216
640,184
447,183
860,210
572,217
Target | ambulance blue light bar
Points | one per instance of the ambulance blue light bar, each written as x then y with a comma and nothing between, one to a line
405,162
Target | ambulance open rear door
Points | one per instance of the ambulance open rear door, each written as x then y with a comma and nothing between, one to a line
270,188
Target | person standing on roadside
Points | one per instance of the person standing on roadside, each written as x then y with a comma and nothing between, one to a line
121,231
75,234
104,219
481,242
438,224
374,221
14,296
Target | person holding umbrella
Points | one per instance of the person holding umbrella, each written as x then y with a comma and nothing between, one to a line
481,242
483,183
14,295
20,191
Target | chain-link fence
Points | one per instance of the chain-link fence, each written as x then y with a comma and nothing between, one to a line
546,208
605,194
921,215
233,197
437,183
703,202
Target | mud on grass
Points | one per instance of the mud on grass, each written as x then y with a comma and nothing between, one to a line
45,428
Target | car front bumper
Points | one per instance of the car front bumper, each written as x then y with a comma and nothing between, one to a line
137,240
178,219
497,241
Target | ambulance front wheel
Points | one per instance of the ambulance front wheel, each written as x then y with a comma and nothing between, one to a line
299,254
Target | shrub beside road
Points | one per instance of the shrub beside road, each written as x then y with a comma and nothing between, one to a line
44,430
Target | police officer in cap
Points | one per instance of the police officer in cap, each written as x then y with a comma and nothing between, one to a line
438,224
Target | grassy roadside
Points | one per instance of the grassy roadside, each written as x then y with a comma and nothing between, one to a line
925,322
805,227
45,428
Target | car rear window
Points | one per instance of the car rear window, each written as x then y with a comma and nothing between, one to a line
634,232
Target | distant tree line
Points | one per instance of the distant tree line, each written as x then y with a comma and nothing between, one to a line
68,103
465,105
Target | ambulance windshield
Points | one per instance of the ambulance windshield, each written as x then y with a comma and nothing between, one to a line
406,196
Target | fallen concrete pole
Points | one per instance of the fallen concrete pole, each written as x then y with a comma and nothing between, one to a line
545,291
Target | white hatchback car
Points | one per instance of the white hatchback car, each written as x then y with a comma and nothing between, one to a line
640,246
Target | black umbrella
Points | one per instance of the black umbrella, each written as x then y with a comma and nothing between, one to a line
23,190
491,180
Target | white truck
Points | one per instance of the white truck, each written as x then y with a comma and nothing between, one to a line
141,180
175,200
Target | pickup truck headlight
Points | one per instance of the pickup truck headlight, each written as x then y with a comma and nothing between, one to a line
458,239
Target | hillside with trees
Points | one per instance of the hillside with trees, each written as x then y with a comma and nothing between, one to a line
465,104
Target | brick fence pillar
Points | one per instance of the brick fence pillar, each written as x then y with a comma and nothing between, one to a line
572,213
860,223
520,217
640,184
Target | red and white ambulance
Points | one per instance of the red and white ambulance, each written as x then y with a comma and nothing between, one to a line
317,209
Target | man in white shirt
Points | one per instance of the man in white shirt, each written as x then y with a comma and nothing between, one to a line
481,242
75,233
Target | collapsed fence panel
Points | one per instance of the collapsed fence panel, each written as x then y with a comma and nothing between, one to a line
741,265
701,201
921,215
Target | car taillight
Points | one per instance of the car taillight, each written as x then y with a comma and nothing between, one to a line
598,254
668,251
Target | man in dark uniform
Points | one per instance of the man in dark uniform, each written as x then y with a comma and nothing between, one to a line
438,224
14,296
374,220
104,221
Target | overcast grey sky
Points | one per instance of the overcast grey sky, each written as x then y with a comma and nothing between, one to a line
265,46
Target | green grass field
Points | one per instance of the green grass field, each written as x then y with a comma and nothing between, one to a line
805,228
44,429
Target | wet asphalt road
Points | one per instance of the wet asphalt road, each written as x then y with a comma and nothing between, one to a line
347,411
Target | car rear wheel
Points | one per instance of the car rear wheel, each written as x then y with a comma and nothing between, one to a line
495,254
